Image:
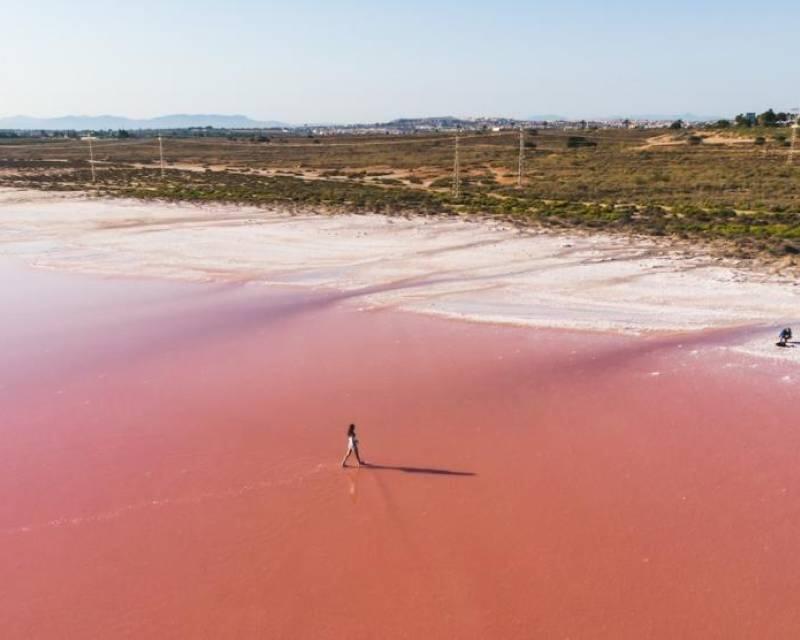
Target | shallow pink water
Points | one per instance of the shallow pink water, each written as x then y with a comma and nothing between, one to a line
170,457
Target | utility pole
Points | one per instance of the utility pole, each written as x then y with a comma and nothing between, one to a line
456,171
790,159
161,153
521,157
91,160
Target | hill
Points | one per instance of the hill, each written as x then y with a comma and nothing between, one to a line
176,121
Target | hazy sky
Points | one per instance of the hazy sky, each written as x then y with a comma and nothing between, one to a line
313,61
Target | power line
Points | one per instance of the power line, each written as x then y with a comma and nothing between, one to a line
245,146
72,143
474,138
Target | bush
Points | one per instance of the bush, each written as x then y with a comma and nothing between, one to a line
576,142
791,247
441,183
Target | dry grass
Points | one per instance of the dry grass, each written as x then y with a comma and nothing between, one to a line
716,186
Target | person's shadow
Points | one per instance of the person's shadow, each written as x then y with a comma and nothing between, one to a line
422,470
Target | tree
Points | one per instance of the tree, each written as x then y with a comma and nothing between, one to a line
123,134
742,120
678,124
767,119
723,124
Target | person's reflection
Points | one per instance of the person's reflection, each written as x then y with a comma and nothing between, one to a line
352,479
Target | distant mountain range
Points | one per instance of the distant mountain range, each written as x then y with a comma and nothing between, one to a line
177,121
548,117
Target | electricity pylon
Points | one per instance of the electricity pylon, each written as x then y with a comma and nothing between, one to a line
456,171
161,153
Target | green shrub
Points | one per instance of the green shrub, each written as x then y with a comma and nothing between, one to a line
577,142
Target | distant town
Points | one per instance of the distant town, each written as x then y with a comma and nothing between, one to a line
241,126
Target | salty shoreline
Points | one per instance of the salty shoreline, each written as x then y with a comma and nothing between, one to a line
476,270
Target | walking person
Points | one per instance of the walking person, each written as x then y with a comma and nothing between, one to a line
352,446
784,337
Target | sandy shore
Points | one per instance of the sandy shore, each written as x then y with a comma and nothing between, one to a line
477,270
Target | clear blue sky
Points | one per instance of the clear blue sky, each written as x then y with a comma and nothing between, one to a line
335,61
